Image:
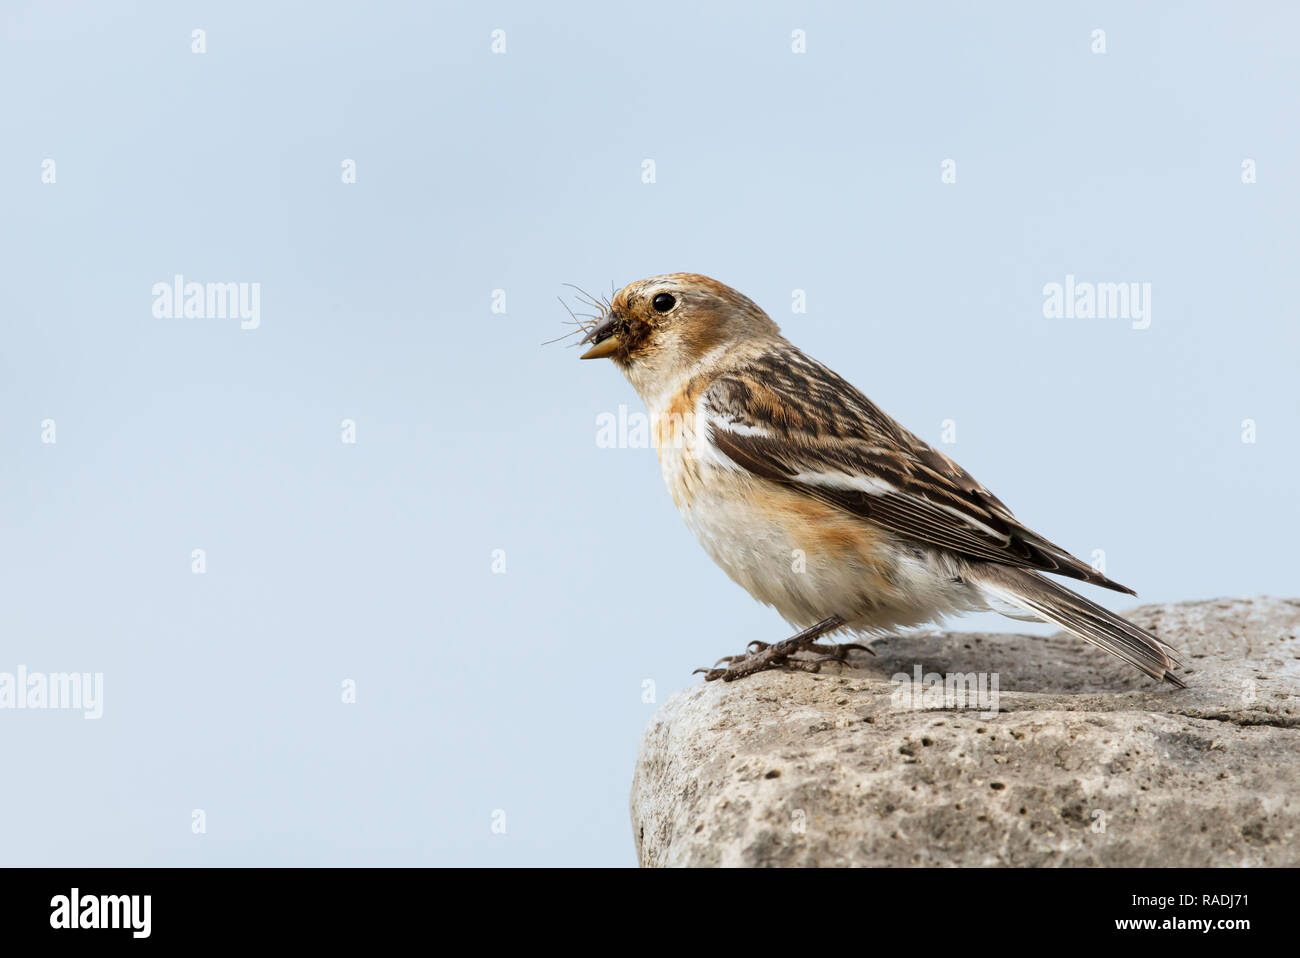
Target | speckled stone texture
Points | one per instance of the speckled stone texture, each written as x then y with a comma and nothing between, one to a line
1086,762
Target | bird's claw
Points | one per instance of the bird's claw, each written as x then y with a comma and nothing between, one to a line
840,653
763,656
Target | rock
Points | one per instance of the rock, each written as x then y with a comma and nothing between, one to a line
1085,761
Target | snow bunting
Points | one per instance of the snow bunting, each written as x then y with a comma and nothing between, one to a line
818,503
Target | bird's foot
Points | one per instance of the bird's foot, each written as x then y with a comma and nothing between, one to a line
758,657
838,653
761,656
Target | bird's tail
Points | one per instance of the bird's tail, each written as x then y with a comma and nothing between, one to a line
1013,591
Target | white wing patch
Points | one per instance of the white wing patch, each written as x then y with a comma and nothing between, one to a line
851,482
843,480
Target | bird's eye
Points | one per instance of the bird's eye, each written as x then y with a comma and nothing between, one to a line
663,302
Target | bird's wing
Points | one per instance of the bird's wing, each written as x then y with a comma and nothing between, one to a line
790,420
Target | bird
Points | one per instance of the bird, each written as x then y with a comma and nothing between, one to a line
815,501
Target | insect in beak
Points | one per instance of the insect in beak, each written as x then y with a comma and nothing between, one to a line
603,338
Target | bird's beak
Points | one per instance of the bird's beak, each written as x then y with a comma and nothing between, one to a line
602,349
604,341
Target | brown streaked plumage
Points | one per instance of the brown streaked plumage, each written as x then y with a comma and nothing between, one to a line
769,454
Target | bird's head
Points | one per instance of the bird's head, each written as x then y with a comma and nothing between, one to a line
658,329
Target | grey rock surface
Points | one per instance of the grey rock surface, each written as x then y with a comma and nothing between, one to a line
1084,762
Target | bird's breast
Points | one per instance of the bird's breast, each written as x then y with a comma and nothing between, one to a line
803,557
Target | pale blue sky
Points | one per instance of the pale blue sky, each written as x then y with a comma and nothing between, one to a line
475,171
